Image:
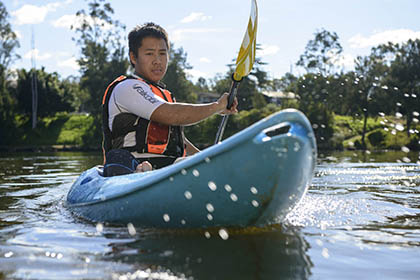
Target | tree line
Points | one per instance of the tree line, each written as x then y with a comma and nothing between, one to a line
386,82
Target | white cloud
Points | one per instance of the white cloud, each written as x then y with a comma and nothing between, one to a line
195,17
345,60
67,21
205,60
31,14
182,34
69,63
268,50
37,55
394,36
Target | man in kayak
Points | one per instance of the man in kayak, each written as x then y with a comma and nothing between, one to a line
141,116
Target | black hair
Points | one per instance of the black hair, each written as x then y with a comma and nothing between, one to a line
149,29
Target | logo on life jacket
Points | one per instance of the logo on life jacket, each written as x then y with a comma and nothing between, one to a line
151,137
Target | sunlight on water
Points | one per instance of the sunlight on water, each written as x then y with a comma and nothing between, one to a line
347,195
149,274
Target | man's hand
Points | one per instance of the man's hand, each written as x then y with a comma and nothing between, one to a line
223,101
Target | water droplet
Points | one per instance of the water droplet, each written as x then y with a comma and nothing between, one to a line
325,253
209,217
183,222
224,234
87,260
381,114
207,234
254,190
59,256
188,195
184,172
405,149
8,254
131,229
209,207
398,115
406,160
399,127
207,160
296,147
228,188
416,114
99,227
212,186
196,173
255,203
233,197
171,179
166,217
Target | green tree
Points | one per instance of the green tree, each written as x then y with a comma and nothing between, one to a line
8,40
103,57
52,96
404,76
8,45
313,102
321,53
176,77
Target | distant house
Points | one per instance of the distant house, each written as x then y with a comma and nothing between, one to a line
207,97
277,97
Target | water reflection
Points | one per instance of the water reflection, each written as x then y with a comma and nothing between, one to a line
361,216
247,254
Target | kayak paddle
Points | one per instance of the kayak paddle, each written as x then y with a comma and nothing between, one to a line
244,63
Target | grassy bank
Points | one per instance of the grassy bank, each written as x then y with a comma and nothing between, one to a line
63,131
73,131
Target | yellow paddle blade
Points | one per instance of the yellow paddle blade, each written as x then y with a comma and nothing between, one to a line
246,56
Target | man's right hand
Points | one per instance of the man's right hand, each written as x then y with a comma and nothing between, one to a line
223,101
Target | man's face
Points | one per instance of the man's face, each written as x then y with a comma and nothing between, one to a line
152,59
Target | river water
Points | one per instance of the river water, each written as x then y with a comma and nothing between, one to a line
359,219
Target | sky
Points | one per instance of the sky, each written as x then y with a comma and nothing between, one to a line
210,32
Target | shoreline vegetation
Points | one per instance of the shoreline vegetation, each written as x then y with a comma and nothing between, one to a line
72,132
373,107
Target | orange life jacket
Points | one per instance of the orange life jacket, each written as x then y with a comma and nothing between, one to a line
151,137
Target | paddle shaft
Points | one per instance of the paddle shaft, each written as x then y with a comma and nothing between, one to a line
232,94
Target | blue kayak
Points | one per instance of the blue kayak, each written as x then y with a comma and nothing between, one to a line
253,178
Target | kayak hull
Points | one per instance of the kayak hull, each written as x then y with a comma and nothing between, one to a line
253,178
